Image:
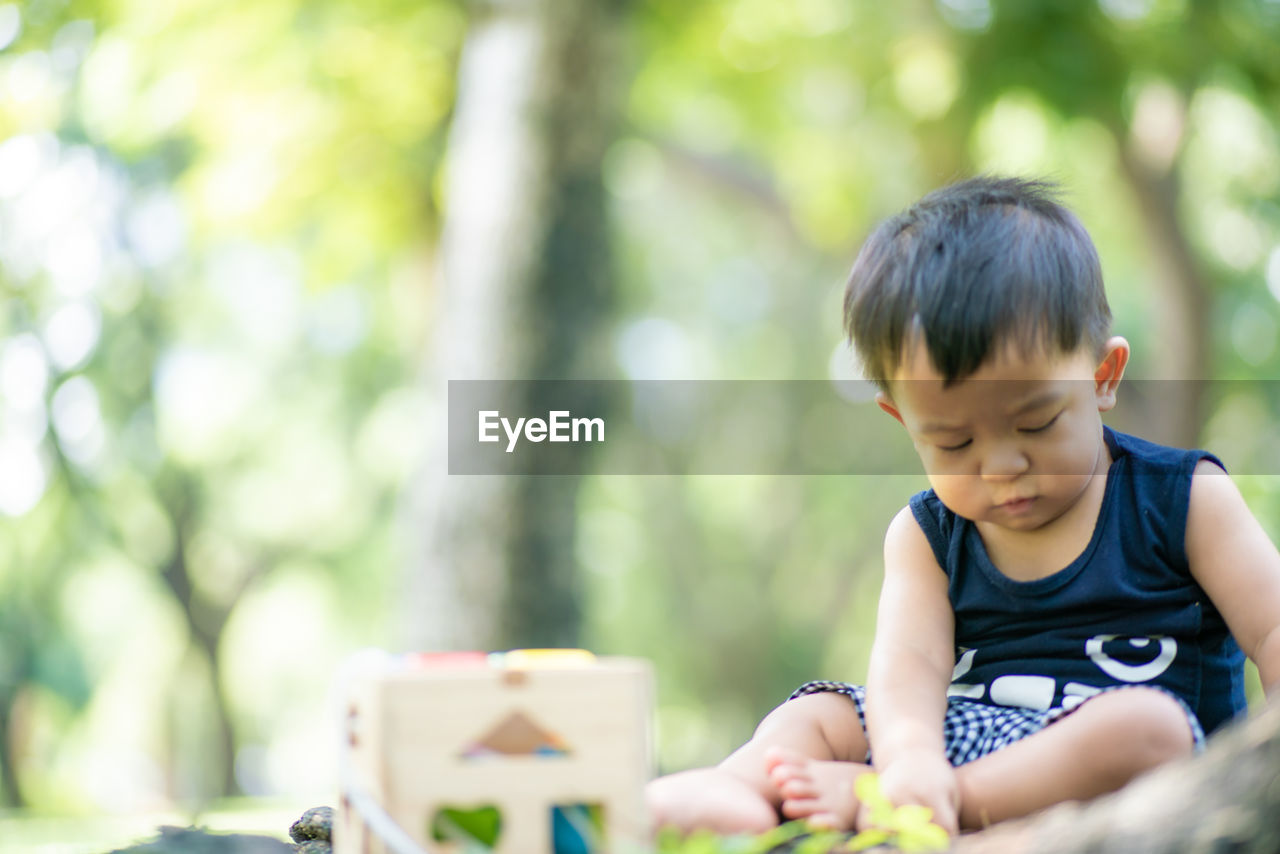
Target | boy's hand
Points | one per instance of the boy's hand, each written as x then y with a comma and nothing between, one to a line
923,777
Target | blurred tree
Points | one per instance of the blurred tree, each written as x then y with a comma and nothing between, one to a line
40,662
525,287
208,303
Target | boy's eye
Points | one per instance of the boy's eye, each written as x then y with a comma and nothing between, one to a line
1042,427
959,447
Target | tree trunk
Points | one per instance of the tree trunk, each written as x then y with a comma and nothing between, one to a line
1174,407
205,624
12,797
525,283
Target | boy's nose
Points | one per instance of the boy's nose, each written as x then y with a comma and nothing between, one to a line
1004,463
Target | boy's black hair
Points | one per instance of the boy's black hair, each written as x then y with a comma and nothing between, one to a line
972,266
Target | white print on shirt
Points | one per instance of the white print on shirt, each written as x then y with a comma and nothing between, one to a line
957,689
1073,694
1131,672
1037,692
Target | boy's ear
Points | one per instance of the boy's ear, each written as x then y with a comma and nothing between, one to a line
886,403
1110,370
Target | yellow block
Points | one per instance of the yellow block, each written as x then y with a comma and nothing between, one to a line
545,659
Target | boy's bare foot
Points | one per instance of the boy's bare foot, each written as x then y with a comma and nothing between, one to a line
818,791
708,799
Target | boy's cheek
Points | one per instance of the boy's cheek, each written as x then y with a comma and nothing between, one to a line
927,452
940,464
927,460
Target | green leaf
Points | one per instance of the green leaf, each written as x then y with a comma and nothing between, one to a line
819,843
867,790
868,839
771,839
925,838
911,816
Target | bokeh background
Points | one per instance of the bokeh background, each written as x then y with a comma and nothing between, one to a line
244,245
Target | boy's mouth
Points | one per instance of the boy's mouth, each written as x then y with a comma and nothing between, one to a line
1017,505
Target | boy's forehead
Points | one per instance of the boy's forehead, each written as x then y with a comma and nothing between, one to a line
1008,385
1011,361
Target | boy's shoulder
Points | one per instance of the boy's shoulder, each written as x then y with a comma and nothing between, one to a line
935,519
1146,456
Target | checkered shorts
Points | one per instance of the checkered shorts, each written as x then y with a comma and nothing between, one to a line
972,729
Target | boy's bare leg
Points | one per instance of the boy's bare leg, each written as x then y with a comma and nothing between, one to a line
738,795
1097,749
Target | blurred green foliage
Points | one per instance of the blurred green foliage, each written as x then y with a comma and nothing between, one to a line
215,218
217,231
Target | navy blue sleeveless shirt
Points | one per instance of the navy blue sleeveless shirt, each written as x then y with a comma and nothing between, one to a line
1125,612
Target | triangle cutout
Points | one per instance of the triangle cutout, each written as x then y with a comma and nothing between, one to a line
517,735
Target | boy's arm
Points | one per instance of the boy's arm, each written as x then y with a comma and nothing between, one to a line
1236,563
911,664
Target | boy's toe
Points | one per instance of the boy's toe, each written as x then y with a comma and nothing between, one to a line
776,756
797,788
783,774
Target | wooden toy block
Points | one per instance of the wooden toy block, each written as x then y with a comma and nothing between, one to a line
532,751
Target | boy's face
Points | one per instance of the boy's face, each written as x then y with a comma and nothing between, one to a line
1016,443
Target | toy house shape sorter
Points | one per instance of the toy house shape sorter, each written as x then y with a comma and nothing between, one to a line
529,752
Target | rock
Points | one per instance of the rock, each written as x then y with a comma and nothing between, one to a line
315,824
